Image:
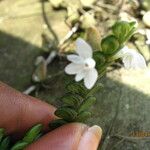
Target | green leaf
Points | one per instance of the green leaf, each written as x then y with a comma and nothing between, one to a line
33,133
99,58
76,88
96,88
86,104
19,145
66,113
130,34
57,123
4,145
110,45
2,132
71,100
120,30
83,116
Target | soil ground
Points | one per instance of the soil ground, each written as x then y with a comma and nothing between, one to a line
123,105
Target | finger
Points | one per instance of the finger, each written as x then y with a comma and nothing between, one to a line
19,112
72,136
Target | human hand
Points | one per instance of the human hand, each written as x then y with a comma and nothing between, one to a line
19,112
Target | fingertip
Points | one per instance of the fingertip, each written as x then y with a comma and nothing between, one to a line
66,137
91,138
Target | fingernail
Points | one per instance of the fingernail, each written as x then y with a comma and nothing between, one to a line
96,130
90,139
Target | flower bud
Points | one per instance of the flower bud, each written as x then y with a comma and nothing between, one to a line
110,45
93,37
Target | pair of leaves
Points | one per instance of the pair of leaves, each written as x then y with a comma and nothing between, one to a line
71,100
110,45
123,30
77,88
69,114
29,138
76,104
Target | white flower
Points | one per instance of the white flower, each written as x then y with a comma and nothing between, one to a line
82,64
131,58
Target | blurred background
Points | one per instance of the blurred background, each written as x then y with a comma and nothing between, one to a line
34,38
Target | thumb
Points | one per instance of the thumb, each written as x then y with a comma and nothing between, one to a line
73,136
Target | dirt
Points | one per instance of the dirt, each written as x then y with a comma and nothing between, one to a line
122,107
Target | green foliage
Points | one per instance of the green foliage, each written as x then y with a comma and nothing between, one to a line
57,123
85,105
83,116
71,100
2,132
33,134
76,104
4,145
123,30
19,145
66,113
77,100
110,45
76,88
29,138
99,57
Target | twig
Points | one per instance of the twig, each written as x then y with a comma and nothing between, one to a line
46,20
69,34
51,57
100,4
114,146
107,137
30,89
130,138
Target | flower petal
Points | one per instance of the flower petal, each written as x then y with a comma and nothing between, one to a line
75,59
80,76
134,60
90,78
83,49
73,68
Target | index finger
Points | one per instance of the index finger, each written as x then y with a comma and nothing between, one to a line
19,112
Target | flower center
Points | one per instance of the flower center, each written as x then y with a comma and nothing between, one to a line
89,63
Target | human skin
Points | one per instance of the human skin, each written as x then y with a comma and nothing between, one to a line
19,112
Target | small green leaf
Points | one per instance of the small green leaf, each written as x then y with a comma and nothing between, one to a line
19,145
71,100
2,132
86,104
4,145
110,45
57,123
32,133
66,113
83,116
76,88
99,58
120,30
130,34
96,88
